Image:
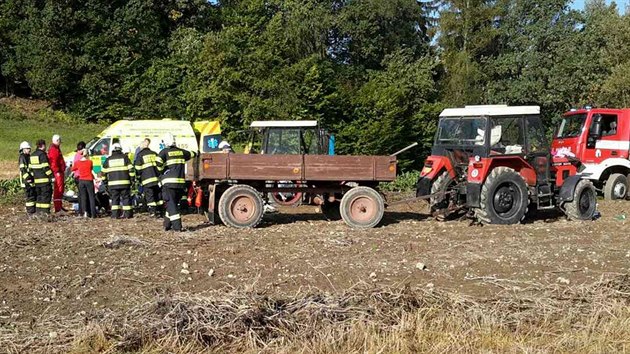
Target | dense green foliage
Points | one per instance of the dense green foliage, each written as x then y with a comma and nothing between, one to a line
375,72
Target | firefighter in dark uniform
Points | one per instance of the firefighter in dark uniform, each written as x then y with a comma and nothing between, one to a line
117,174
42,178
26,177
172,161
149,177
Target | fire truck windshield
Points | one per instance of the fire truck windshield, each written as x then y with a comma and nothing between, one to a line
461,131
571,126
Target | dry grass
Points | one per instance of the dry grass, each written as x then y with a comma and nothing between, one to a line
587,319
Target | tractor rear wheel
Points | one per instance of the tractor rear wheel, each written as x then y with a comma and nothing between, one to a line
241,206
362,207
442,184
504,198
584,203
616,187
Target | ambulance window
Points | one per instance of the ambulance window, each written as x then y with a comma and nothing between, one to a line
609,124
101,147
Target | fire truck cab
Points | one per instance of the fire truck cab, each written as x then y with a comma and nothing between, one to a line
600,139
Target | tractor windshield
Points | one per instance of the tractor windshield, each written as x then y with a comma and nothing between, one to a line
461,131
571,126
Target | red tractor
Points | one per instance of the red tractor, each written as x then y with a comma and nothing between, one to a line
494,162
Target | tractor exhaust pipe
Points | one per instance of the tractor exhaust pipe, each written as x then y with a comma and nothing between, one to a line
404,149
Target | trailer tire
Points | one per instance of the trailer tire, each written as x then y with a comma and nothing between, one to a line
362,208
504,198
441,184
616,187
331,210
584,203
241,207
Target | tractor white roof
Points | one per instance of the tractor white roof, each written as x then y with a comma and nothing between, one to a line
493,110
283,123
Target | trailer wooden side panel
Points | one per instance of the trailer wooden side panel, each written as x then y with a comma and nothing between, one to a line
296,167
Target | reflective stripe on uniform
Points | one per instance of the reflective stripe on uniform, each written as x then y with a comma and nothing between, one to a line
116,207
39,165
173,181
42,180
146,165
160,202
119,183
49,172
175,161
152,204
25,175
149,180
114,169
29,204
126,207
42,205
174,217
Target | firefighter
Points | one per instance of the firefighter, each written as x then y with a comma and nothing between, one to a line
42,178
149,177
172,162
58,167
117,174
26,177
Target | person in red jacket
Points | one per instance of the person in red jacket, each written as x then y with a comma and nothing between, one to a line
58,167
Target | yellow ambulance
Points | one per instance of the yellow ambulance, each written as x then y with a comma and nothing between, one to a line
203,136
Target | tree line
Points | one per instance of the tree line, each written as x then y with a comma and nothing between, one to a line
377,73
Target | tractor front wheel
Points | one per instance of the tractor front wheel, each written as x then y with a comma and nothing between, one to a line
439,204
616,187
504,198
584,203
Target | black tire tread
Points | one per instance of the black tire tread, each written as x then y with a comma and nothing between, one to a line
481,213
571,208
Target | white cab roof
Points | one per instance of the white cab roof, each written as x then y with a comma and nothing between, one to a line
493,110
283,123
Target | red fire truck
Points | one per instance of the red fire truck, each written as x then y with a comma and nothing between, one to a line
600,139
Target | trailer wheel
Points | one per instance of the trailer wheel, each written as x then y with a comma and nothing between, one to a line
442,183
362,207
616,187
504,198
331,210
241,206
584,203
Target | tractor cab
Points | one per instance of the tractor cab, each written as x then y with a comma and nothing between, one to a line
290,138
494,161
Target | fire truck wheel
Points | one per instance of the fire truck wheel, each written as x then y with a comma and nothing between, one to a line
331,210
584,203
616,187
504,198
241,206
441,184
362,207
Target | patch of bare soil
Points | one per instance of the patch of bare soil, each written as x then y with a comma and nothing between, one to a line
8,169
68,266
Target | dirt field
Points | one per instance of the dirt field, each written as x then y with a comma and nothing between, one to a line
67,266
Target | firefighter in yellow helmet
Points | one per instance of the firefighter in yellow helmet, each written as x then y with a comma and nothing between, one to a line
26,177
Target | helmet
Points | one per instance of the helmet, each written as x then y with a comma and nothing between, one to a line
24,145
56,139
169,140
224,145
116,147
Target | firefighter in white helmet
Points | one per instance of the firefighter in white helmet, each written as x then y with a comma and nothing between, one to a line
172,162
26,177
